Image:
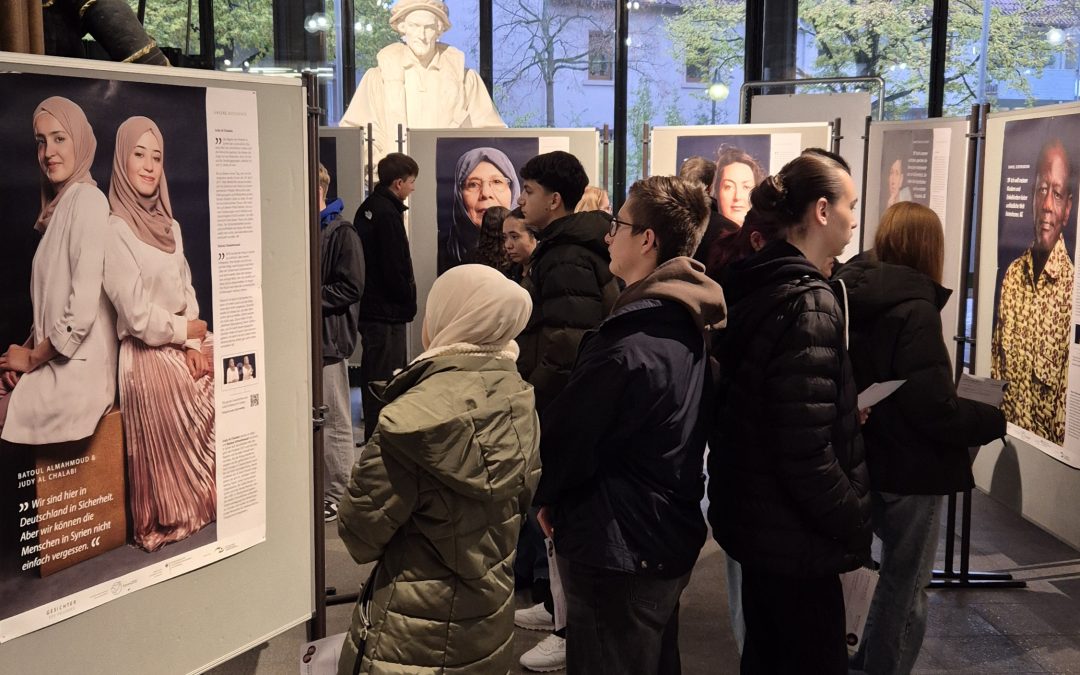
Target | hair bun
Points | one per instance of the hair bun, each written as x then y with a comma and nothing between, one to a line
770,196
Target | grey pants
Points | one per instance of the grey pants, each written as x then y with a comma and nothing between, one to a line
339,448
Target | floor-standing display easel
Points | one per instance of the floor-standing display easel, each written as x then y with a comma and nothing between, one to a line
964,577
317,624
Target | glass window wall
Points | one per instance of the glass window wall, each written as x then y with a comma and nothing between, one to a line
854,38
686,67
1031,54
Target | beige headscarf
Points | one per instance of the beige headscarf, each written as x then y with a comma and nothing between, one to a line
474,309
73,120
150,218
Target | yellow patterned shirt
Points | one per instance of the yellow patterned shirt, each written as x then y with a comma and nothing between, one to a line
1031,343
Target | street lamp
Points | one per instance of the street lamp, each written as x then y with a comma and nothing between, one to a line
717,91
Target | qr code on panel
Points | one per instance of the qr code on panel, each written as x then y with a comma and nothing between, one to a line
254,400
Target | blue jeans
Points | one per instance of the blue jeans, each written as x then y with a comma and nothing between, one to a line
339,448
896,623
735,608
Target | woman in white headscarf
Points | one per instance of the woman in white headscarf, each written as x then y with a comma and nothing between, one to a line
166,378
438,493
62,380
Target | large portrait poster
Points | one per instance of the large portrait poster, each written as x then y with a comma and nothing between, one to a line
1034,323
742,161
915,168
132,432
473,175
744,155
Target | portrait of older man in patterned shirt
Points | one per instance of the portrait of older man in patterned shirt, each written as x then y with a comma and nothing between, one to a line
1031,334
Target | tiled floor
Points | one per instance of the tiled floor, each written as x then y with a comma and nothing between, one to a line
1033,630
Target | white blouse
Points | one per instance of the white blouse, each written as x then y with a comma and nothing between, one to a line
63,399
150,289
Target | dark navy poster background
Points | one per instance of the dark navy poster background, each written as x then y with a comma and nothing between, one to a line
758,146
180,113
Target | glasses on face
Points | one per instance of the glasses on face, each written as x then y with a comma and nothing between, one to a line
613,228
493,184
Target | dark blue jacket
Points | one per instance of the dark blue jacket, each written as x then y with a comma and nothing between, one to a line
622,446
342,268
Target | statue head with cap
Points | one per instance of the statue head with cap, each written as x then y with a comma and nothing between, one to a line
421,23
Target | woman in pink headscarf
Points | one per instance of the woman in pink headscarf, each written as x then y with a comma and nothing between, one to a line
166,382
62,380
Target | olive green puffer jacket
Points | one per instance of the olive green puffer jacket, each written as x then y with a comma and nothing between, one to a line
437,498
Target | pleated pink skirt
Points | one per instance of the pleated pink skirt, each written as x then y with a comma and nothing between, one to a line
169,433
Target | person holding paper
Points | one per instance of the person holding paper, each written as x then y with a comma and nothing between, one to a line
788,484
438,494
623,443
917,438
1030,348
166,378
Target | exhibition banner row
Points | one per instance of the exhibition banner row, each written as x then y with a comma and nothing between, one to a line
132,396
1027,226
132,431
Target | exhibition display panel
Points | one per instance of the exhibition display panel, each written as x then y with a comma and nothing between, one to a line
925,162
1028,324
177,516
443,221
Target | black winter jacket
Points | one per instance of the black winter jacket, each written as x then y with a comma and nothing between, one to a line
572,291
917,439
788,483
390,293
342,266
622,446
718,228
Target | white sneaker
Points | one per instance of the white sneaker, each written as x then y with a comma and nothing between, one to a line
547,656
534,618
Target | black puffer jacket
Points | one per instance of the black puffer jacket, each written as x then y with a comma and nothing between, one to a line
917,439
572,291
788,483
390,292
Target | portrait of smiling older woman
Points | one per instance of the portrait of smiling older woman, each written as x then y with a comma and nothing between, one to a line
484,177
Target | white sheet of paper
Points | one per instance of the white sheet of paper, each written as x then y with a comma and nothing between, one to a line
878,392
321,656
558,596
858,588
984,389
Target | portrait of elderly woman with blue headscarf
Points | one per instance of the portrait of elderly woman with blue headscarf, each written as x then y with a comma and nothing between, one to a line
483,178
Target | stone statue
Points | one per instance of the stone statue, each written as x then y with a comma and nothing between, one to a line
422,84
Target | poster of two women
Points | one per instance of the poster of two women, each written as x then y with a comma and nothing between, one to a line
108,458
